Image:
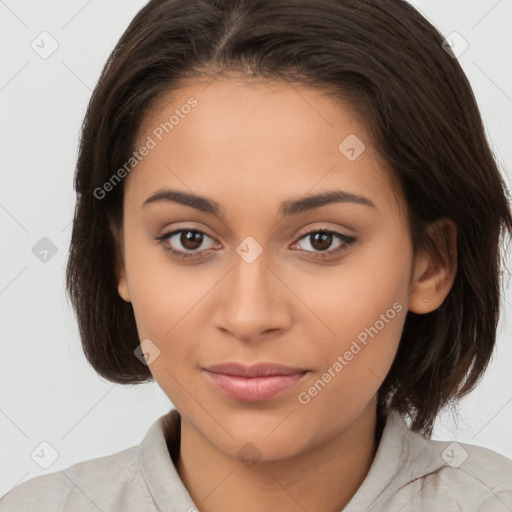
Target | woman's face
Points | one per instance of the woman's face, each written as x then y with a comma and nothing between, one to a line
255,288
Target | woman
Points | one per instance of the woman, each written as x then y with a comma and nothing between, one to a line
289,217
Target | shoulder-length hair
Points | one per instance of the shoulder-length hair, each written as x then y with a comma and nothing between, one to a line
393,67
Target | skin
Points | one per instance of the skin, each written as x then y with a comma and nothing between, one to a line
250,145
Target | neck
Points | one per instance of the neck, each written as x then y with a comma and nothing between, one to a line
334,469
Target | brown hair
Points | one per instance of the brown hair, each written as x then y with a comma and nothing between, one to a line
388,62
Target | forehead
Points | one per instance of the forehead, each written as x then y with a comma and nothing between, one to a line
252,140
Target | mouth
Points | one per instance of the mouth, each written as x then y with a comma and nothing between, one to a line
255,383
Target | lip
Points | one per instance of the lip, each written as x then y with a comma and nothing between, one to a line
263,369
254,383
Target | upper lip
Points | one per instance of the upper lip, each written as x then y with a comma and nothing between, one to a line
254,370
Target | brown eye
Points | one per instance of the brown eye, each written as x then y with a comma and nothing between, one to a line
321,240
191,240
184,243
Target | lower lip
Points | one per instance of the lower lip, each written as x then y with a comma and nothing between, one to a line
254,389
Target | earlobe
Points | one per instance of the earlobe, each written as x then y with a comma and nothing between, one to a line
433,279
122,286
122,283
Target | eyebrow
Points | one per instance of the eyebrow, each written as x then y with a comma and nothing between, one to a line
287,208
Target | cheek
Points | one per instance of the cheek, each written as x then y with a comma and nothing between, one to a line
161,291
355,362
360,352
168,302
163,303
346,298
362,305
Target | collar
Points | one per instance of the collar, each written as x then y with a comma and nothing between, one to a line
402,456
156,464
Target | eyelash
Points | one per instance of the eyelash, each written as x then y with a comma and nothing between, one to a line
347,242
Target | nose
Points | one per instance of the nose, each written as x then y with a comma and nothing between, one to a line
253,302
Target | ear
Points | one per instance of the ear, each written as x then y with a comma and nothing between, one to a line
122,283
433,276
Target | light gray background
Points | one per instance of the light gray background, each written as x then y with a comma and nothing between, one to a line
48,392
